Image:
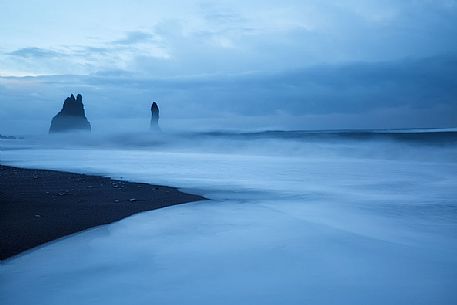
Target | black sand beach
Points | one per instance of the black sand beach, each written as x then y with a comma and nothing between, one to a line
38,206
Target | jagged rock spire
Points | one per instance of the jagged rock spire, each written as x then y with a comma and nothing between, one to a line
72,117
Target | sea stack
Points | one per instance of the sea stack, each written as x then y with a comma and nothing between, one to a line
155,117
72,117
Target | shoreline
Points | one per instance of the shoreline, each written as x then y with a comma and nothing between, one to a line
40,206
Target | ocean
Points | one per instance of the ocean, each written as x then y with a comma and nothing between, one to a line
294,217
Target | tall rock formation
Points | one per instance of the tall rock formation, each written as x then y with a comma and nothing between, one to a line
72,117
155,116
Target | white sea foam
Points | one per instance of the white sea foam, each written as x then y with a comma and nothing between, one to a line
291,221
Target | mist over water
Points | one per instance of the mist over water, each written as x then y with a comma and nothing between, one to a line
298,217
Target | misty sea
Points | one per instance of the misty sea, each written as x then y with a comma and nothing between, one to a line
294,217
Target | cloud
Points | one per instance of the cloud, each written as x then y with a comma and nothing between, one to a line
81,59
36,53
191,37
135,37
407,93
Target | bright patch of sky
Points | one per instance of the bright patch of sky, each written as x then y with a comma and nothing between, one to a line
195,37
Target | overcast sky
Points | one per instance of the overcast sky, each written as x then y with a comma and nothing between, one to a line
231,64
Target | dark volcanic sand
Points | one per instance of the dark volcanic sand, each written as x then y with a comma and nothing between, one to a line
38,206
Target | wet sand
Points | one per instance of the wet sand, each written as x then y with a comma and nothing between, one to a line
38,206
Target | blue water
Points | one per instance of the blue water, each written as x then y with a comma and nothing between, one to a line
298,217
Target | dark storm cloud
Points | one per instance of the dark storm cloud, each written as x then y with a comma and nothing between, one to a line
409,93
349,88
